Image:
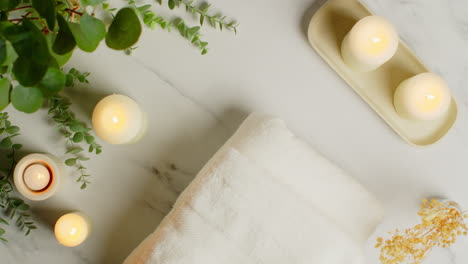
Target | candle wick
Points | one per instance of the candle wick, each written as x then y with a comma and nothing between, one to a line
376,40
430,97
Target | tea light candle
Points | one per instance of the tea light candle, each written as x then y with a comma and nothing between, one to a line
370,43
425,96
72,229
38,176
117,119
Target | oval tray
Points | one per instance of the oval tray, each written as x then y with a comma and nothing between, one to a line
326,31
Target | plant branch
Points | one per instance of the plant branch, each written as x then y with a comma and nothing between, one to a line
22,7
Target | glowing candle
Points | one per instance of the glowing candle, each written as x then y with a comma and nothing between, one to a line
117,119
38,176
425,96
370,43
72,229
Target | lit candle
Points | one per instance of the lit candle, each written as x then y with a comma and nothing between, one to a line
117,119
72,229
425,96
38,176
371,42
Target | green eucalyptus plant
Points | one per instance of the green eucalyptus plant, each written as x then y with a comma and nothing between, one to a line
38,37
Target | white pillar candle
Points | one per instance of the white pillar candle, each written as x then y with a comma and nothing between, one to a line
72,229
425,96
38,176
117,119
371,42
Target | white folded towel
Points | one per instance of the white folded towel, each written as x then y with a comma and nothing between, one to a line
265,197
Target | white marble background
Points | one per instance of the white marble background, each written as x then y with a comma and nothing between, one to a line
195,103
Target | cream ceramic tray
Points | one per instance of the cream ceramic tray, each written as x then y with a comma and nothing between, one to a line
326,31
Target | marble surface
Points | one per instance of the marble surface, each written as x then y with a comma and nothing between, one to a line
196,102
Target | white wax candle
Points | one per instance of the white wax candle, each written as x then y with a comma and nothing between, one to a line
36,177
425,96
370,43
72,229
117,119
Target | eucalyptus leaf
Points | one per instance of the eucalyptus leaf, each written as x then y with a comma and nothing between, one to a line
28,41
64,42
46,9
6,143
11,55
70,162
88,33
125,30
5,88
92,2
3,51
53,82
28,72
27,99
78,137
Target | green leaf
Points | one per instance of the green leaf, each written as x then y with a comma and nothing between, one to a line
7,5
46,9
12,130
89,139
3,51
64,42
92,2
11,55
17,146
78,137
3,221
70,162
23,207
88,33
2,231
27,99
53,82
77,127
28,72
124,31
28,41
6,143
5,88
171,4
75,150
83,186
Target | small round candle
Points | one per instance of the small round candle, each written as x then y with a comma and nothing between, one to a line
117,119
370,43
72,229
36,177
425,96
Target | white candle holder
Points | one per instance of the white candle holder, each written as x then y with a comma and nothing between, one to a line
54,168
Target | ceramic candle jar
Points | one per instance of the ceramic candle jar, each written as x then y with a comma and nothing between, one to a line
38,176
117,119
425,96
72,229
370,43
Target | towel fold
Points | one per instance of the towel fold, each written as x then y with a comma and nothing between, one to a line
265,197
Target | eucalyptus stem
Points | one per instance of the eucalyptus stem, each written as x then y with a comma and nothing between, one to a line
16,209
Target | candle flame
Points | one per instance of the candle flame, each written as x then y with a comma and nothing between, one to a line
115,119
376,39
430,97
